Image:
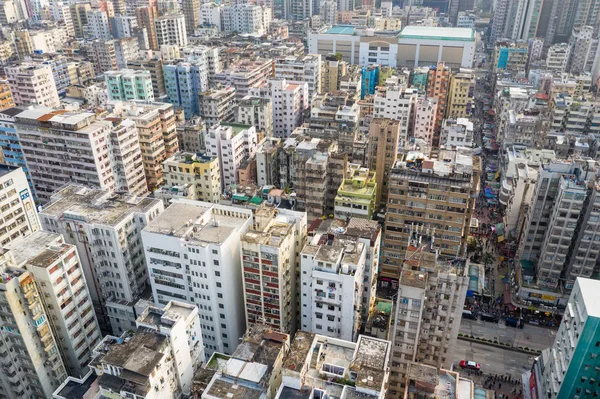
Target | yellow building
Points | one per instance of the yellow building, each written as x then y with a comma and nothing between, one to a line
460,94
357,194
191,176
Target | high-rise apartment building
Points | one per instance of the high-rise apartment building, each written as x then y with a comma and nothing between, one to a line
191,11
146,17
106,229
333,72
289,101
524,19
333,280
424,121
61,12
461,94
21,219
48,140
126,49
396,103
382,153
246,18
256,112
570,371
434,195
171,30
217,106
157,131
31,362
298,70
558,57
583,50
231,143
193,253
79,17
155,359
428,311
195,173
56,269
103,54
127,84
270,259
98,25
184,82
438,80
32,84
155,67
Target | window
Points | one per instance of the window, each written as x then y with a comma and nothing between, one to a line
218,274
221,306
221,315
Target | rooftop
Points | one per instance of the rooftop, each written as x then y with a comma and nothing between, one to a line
138,354
6,169
87,389
39,249
95,205
341,30
590,295
196,221
299,350
439,33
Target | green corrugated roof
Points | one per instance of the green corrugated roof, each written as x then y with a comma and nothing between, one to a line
256,200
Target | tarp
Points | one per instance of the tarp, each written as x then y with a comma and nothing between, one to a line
500,228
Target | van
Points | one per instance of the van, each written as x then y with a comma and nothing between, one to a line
489,317
467,314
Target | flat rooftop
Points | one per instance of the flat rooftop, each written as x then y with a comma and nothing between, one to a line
95,205
88,389
590,294
437,33
6,169
197,222
139,354
341,30
299,351
38,249
370,360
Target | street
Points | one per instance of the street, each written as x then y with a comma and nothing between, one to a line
493,360
529,336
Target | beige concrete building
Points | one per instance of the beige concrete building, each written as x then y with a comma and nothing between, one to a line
157,129
429,195
461,95
382,154
194,176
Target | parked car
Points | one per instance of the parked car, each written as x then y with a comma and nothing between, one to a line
467,314
489,317
469,364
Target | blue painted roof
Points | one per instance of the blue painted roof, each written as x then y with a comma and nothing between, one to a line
341,30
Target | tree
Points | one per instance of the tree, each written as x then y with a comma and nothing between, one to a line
472,245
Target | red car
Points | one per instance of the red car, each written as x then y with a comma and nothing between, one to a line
467,364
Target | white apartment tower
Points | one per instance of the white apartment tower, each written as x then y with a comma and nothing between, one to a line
126,157
170,29
106,228
289,101
180,323
98,25
18,207
58,274
255,111
246,19
299,70
332,283
193,252
32,84
397,103
424,119
231,144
